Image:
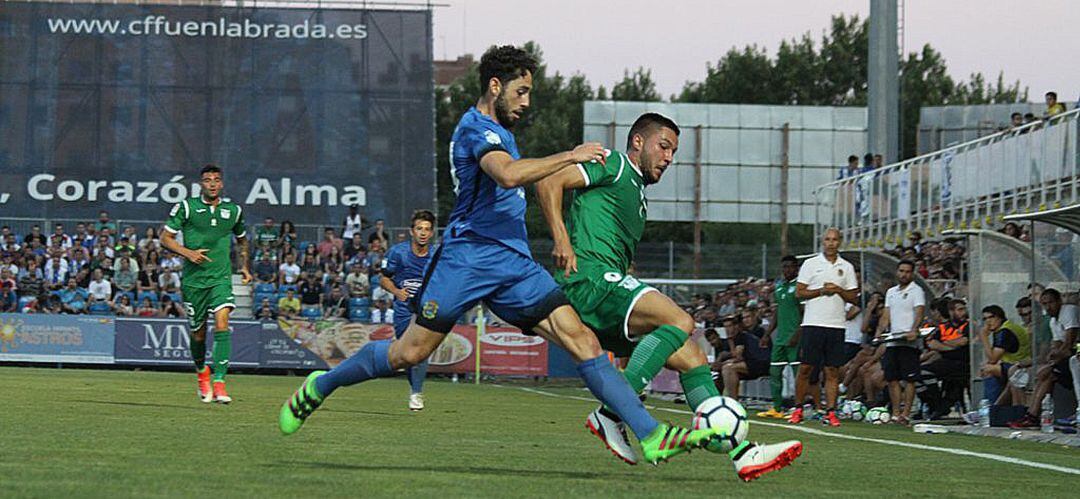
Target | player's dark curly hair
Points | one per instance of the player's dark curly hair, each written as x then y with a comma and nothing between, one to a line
423,216
505,63
650,122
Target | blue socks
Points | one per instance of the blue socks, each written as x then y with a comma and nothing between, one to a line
417,374
372,361
611,389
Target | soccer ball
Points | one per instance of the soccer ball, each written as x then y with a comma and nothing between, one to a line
724,413
853,410
878,415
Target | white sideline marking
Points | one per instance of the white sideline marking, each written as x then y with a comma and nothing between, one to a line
812,431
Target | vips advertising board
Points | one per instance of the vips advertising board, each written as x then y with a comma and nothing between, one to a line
503,351
56,338
116,106
141,341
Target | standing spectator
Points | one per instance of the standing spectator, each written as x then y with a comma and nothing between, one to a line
289,271
72,299
104,223
32,283
125,278
1053,107
265,311
56,272
353,224
267,234
825,282
122,305
379,234
879,161
1016,120
1054,366
100,289
35,235
150,241
356,245
905,305
328,243
9,297
265,270
1005,344
287,238
288,305
852,168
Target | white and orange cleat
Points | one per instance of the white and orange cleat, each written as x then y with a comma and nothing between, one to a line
220,395
758,459
612,431
205,392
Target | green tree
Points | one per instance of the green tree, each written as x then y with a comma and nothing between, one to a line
637,86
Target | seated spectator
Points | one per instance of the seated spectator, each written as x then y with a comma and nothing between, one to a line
288,272
56,272
1053,107
72,298
152,257
172,261
31,282
289,305
378,233
149,242
335,304
1054,364
131,235
9,298
7,262
310,291
10,244
947,359
35,235
125,245
311,265
122,305
335,258
147,309
267,234
374,258
383,313
124,279
104,223
148,279
169,282
358,281
328,242
265,270
265,249
103,246
78,261
356,245
749,359
59,237
287,237
1005,344
83,278
170,308
99,288
1011,229
265,312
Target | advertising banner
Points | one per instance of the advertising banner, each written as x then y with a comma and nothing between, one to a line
117,106
141,341
56,338
503,351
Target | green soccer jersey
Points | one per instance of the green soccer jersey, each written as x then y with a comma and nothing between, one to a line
787,311
210,228
607,216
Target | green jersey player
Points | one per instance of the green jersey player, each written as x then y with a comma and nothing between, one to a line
207,223
607,218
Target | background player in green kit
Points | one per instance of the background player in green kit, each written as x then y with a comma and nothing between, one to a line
783,333
207,222
607,219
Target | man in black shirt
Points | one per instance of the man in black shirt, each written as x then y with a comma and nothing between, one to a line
310,292
749,359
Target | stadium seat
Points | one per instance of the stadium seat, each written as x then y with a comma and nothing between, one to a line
176,297
286,287
99,308
265,288
256,300
359,303
310,313
303,246
359,314
148,294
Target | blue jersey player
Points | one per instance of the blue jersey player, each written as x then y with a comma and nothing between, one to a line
484,256
402,274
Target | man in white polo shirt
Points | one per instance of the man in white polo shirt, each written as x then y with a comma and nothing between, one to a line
903,315
825,282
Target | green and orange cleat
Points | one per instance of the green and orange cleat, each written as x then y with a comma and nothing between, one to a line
300,405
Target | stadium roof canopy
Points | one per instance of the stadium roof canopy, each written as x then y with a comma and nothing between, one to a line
1066,218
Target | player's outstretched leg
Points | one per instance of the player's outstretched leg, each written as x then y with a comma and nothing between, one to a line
752,460
659,442
417,374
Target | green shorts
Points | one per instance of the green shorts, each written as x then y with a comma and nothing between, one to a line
782,354
604,301
199,303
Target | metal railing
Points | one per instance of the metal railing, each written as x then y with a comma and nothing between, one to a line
972,184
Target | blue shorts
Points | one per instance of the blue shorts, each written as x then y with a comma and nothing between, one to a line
467,269
402,318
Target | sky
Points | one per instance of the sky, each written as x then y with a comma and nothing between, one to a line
1034,41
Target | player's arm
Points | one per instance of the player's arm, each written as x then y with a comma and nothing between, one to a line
549,191
803,291
169,242
510,173
390,265
883,322
243,250
916,324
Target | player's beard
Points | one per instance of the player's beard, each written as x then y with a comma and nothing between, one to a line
502,111
647,172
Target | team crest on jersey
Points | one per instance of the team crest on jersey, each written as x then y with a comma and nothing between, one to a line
492,137
225,213
430,309
612,276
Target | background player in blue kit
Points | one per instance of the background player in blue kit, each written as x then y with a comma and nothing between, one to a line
485,256
402,274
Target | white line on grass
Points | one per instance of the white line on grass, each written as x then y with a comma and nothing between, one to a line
812,431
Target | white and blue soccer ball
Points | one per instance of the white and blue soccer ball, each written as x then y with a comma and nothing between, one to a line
878,415
726,414
853,410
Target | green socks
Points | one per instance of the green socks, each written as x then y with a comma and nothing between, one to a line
776,384
198,352
651,354
222,349
698,385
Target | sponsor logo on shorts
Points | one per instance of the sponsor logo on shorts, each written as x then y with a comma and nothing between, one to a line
612,276
431,308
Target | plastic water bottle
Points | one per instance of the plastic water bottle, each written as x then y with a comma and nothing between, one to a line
454,378
1046,418
984,413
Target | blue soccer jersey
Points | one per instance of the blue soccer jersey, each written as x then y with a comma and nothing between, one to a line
483,208
406,270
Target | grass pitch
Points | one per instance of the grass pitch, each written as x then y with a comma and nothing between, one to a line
86,433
